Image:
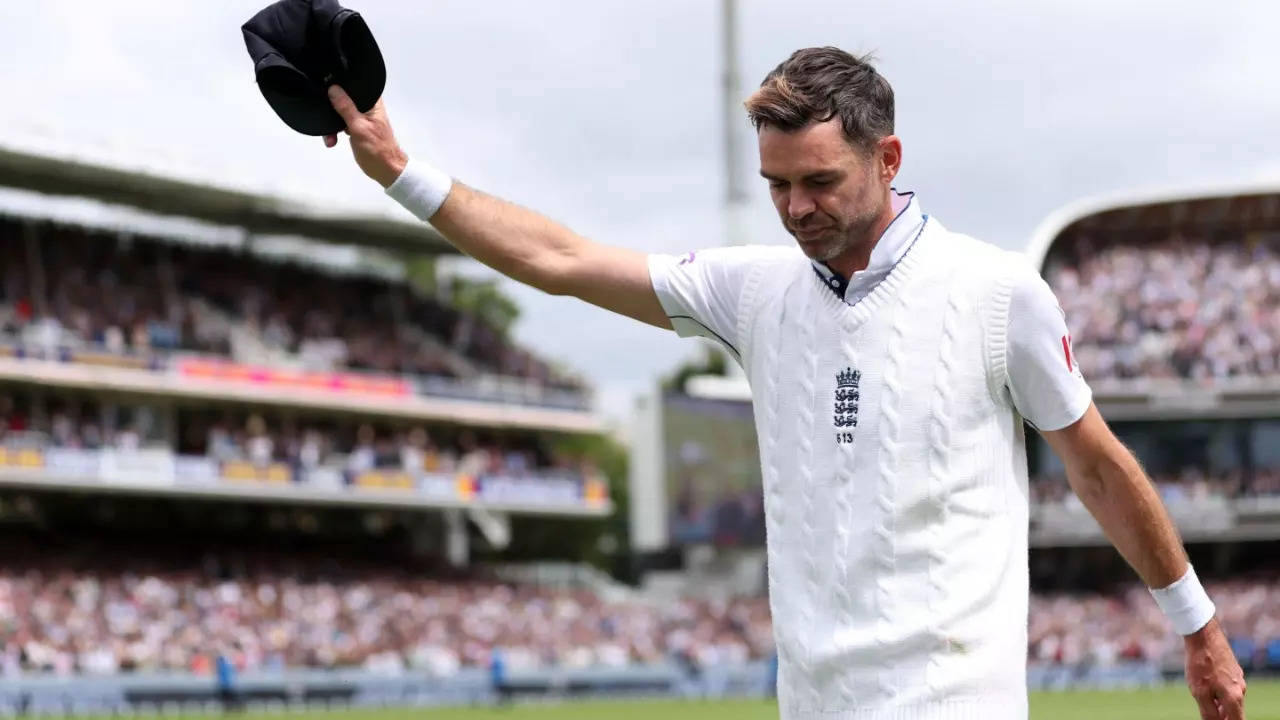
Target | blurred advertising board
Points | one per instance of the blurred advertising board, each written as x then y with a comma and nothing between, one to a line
247,472
137,467
22,457
712,471
531,491
330,382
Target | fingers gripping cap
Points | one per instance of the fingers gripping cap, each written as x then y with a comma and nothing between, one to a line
300,47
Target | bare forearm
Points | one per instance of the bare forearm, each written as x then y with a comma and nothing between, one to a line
513,240
537,251
517,242
1123,501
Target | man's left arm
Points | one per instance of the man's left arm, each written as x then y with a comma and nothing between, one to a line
1112,485
1049,391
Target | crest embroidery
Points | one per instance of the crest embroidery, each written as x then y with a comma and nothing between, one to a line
847,397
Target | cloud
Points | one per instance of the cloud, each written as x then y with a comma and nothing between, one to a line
605,114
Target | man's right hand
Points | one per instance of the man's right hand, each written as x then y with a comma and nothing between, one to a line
372,142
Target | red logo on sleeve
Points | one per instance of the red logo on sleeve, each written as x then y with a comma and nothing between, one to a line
1066,352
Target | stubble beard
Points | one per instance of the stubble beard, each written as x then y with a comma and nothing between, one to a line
854,233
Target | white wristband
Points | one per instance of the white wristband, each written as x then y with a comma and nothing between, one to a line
1185,603
421,189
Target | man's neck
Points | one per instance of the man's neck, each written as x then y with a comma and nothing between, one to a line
858,256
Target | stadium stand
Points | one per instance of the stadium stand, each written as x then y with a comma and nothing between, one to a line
134,295
1173,302
146,358
206,448
1183,306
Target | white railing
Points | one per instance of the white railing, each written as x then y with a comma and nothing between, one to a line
159,471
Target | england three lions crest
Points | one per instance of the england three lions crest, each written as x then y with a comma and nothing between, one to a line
846,402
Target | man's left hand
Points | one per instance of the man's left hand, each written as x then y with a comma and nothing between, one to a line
1214,676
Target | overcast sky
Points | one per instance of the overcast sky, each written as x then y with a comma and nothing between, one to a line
605,114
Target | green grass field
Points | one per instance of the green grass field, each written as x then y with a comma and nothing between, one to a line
1168,703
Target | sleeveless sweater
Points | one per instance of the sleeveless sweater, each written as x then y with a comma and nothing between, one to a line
895,484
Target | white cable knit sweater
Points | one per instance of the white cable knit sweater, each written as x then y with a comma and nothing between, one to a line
895,485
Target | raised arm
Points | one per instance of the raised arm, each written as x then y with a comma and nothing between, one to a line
515,241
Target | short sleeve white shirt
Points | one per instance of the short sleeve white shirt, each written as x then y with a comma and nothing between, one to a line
700,290
1044,377
700,293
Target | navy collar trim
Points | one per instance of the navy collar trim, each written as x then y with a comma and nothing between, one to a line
839,284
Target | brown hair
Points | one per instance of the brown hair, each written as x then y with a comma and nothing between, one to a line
818,84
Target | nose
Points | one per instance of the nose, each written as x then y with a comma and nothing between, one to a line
799,204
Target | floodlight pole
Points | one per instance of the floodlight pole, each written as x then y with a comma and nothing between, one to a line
735,192
735,198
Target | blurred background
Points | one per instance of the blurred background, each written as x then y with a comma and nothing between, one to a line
265,438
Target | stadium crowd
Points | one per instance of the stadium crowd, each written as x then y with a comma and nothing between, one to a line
1095,629
127,613
1183,307
131,615
139,296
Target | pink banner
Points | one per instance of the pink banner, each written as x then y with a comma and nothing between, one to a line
338,383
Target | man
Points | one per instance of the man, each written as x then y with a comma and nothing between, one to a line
226,674
498,676
892,362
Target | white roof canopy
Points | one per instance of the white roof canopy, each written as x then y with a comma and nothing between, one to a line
156,194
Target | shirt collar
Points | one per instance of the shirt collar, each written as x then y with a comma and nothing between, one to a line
888,250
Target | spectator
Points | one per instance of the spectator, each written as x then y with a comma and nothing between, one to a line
258,444
413,451
473,459
219,444
363,456
227,690
128,439
310,451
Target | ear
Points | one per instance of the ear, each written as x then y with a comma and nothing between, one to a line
889,153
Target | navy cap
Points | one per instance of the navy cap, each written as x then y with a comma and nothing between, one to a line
301,47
